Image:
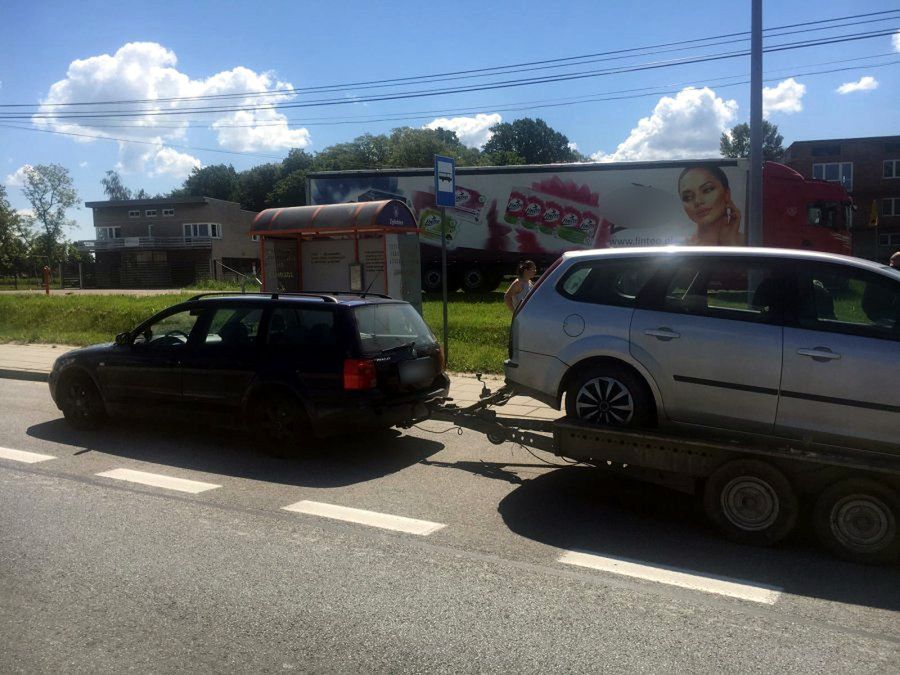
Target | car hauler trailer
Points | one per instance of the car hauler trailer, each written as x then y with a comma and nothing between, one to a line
504,214
752,492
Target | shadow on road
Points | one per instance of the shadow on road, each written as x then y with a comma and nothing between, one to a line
333,462
604,513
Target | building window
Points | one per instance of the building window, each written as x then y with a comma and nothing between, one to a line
891,240
890,206
213,230
891,168
134,214
167,213
150,213
835,172
104,233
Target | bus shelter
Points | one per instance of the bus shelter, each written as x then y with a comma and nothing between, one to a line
358,247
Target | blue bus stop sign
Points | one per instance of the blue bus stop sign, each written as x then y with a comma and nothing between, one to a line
444,181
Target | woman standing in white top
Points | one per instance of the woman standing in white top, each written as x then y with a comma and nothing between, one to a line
521,285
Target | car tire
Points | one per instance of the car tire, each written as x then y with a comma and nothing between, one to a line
609,396
279,425
751,502
858,520
81,402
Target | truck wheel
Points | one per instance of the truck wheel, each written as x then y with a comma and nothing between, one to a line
751,502
609,396
431,280
475,280
82,404
857,519
279,424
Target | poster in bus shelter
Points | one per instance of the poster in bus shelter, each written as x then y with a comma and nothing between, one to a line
524,211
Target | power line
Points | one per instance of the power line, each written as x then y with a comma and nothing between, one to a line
494,70
530,105
657,92
446,91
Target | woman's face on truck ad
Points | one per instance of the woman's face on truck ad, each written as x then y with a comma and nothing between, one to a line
703,196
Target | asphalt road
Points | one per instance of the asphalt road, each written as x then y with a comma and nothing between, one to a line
102,574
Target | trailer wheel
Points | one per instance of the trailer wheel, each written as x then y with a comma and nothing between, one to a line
608,395
475,280
858,520
751,502
431,280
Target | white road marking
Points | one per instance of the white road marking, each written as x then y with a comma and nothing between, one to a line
22,456
158,480
734,588
373,518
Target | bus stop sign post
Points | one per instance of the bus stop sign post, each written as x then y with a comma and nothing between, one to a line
444,196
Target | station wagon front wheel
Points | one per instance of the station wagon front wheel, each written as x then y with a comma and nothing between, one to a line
609,396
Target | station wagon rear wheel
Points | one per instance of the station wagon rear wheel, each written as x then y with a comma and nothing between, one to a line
751,502
858,520
279,424
609,396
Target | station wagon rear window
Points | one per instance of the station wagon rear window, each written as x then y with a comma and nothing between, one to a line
608,282
389,325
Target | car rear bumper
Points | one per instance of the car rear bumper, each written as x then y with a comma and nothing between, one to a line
536,375
375,411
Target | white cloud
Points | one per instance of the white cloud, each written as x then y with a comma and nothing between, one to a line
865,83
17,177
895,40
785,97
147,71
173,163
472,132
83,165
686,126
573,146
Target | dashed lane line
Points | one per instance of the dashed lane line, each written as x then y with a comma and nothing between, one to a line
23,456
385,521
733,588
158,480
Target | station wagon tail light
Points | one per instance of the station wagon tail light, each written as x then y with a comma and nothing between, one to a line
359,374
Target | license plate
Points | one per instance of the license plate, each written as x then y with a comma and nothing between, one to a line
417,371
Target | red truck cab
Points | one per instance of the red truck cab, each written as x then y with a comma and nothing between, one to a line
804,214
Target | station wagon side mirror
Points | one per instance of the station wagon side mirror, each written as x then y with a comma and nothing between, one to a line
123,339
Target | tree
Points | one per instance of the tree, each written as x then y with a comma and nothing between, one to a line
14,239
736,143
113,187
50,191
289,191
255,184
217,181
531,139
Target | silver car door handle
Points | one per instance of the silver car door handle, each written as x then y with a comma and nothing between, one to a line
663,334
822,353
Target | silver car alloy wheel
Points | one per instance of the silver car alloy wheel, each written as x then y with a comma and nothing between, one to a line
604,400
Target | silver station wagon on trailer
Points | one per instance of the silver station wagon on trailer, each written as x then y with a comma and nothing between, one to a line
770,343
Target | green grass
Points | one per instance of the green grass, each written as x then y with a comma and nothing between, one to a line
478,324
75,319
478,328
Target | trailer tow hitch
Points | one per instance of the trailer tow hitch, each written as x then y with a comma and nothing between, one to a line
480,417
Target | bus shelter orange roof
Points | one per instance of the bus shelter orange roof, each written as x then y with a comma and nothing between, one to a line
390,215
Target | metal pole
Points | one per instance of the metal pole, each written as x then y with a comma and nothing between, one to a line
80,277
444,278
755,222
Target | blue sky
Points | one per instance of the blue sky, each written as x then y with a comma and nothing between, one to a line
204,48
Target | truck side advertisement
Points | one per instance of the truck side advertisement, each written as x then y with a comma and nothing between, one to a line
543,211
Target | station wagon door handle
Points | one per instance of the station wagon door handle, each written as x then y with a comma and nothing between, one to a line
819,354
663,334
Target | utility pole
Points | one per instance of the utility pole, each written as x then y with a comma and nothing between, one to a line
755,224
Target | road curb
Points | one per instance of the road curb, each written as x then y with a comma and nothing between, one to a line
29,375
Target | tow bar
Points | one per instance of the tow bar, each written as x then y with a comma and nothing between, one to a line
481,418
